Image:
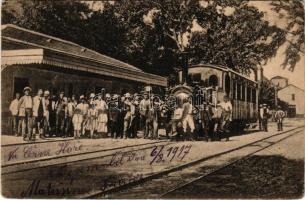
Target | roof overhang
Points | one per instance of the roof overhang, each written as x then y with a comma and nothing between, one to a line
65,60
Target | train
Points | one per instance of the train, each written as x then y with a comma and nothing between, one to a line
206,83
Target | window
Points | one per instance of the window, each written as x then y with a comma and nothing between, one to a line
195,77
227,84
293,97
213,80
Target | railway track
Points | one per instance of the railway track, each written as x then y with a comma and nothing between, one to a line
161,184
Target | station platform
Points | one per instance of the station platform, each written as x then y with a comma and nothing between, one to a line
22,154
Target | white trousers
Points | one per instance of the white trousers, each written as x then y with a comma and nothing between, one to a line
188,121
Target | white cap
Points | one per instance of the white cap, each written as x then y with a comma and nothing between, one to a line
81,97
92,95
107,95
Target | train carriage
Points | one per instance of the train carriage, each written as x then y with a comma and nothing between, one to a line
216,81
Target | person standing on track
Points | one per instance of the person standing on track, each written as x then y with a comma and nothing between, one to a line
279,116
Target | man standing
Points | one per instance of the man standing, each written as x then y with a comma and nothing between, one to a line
187,117
264,112
144,109
38,114
260,117
226,115
14,112
60,115
46,113
279,116
129,116
25,108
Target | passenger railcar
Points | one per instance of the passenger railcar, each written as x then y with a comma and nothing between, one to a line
213,82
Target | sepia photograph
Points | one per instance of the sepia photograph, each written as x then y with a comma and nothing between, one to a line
152,99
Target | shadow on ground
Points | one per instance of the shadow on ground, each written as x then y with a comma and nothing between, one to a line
256,177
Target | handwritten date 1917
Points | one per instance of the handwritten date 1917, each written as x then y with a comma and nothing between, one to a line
160,154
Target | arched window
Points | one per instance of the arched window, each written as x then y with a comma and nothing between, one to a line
213,80
227,84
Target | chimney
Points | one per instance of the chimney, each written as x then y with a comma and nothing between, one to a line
184,56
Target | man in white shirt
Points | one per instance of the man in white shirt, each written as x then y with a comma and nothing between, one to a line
226,115
38,114
25,107
187,119
14,111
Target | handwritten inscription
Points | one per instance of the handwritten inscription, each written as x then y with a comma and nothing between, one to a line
161,154
35,151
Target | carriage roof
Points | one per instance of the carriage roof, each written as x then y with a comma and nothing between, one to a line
222,68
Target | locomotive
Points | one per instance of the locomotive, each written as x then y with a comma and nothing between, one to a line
208,84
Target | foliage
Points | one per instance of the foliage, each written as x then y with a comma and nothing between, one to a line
294,12
152,34
240,40
267,95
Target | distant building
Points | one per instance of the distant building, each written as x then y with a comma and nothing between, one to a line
29,58
279,81
295,97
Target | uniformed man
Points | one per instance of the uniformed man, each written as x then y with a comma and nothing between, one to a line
279,116
25,108
14,111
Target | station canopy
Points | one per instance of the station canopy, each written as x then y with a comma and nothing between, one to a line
23,47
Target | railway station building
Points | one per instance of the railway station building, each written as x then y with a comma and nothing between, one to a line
41,61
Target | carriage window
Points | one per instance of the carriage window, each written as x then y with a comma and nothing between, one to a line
227,84
248,94
238,91
243,92
195,77
253,95
213,80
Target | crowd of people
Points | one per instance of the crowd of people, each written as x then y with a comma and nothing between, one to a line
122,116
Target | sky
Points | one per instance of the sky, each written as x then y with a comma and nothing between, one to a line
273,66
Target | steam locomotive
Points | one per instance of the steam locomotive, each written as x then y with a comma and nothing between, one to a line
206,83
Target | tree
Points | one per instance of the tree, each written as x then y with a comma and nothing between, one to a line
238,39
69,20
160,30
294,12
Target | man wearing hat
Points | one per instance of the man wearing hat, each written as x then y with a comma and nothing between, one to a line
25,108
279,116
38,114
46,105
144,108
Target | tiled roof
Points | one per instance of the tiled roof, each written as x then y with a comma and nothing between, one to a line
32,38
